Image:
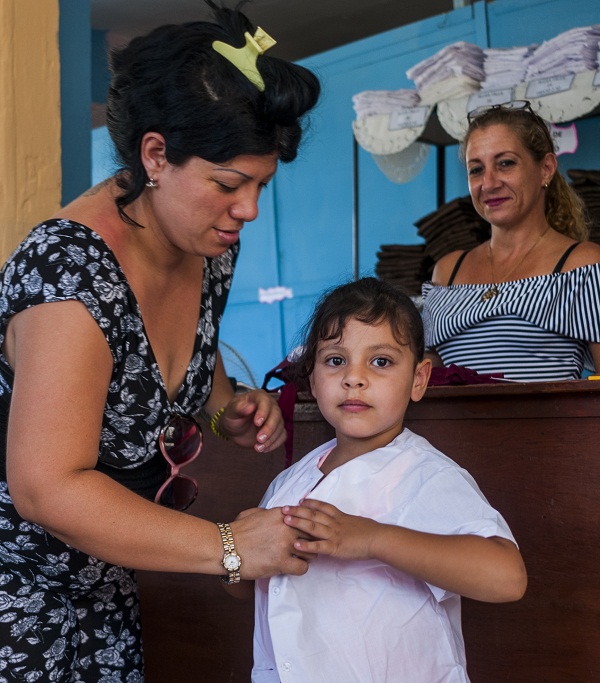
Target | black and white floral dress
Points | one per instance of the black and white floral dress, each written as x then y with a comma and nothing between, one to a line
66,616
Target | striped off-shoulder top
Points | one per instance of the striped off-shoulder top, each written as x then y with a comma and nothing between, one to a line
535,329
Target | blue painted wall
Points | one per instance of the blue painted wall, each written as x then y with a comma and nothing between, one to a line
75,97
303,236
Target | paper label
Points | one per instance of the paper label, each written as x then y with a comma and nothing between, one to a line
413,117
486,98
270,295
541,87
564,137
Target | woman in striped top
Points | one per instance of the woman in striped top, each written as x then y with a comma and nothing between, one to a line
524,303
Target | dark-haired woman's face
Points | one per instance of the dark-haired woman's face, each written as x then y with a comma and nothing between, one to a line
505,181
200,207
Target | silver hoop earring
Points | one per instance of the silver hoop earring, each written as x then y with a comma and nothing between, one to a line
151,183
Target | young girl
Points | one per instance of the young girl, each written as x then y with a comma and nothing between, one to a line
401,531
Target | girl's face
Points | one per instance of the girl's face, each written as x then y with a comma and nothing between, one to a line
200,207
363,383
505,181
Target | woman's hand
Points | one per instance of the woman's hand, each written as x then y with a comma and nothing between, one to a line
253,420
267,545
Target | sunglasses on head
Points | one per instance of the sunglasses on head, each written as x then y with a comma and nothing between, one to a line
180,442
513,105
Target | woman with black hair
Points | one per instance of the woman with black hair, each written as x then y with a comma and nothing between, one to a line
109,316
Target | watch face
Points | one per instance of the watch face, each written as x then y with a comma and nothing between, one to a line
231,562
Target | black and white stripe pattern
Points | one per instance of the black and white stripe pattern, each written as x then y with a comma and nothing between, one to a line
536,329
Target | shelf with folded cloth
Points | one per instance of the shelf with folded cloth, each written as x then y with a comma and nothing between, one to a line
568,98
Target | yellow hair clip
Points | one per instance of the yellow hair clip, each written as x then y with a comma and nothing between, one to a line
244,58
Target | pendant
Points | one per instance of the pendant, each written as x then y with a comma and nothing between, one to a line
490,293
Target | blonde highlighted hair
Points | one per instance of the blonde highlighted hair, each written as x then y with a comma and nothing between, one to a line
564,208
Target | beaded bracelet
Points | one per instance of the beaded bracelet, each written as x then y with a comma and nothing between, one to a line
213,425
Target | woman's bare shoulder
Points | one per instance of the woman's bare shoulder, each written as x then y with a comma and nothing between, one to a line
584,254
95,208
444,267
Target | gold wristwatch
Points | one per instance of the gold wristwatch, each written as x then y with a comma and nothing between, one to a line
231,560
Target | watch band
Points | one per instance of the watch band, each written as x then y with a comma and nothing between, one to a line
231,560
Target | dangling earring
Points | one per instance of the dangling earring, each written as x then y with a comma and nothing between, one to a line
152,183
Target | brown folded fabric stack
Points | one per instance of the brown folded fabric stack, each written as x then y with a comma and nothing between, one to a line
455,225
405,265
587,186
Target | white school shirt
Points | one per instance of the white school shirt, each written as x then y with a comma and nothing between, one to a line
364,621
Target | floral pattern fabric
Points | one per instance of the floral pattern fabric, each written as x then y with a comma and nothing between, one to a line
66,616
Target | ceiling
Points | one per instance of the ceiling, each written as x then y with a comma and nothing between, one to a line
301,27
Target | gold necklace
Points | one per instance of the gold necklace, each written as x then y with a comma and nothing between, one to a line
493,291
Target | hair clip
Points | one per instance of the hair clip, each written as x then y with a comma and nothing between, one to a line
244,58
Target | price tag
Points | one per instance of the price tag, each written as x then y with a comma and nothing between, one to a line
487,98
541,87
564,138
413,117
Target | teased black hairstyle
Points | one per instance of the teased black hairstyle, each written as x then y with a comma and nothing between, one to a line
369,300
173,82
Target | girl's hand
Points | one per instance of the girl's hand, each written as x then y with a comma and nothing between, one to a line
253,420
337,534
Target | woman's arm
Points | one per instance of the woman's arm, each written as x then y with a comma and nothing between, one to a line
586,253
488,569
595,351
63,367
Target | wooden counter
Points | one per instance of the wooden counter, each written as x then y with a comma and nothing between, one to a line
532,449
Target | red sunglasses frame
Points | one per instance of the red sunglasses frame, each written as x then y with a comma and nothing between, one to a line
176,467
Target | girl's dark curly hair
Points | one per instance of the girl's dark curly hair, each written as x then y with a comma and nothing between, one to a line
369,300
173,82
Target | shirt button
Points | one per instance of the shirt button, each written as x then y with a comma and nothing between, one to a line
286,666
276,590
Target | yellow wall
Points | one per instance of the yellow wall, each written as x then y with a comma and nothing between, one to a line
30,163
